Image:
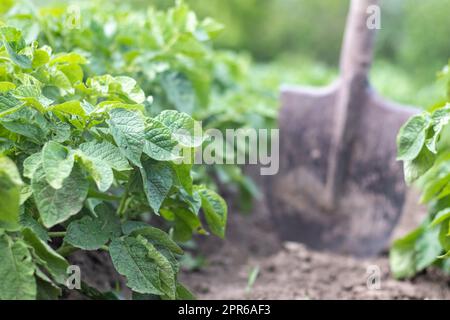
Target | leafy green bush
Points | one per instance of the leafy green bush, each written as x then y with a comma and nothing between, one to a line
81,159
169,54
423,146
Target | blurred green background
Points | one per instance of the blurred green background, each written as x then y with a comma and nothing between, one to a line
299,41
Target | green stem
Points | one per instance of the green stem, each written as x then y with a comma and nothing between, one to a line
123,201
104,248
103,196
57,234
66,250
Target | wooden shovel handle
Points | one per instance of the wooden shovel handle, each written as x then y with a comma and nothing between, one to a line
357,48
356,58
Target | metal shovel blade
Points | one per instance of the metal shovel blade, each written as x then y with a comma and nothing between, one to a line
371,200
339,187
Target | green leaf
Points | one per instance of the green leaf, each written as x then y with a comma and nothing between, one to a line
414,252
402,255
106,152
183,293
100,171
193,201
27,221
16,270
185,130
62,82
147,271
123,87
55,264
13,41
57,205
6,86
57,162
68,58
416,168
127,128
46,289
70,107
129,226
8,104
440,118
186,223
157,237
73,72
427,248
411,137
91,233
179,91
25,193
159,143
31,163
10,188
444,235
157,181
183,176
128,85
40,57
440,217
215,210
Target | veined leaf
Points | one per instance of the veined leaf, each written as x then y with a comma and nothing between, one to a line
31,163
100,171
16,270
417,167
127,128
215,210
68,58
106,152
27,221
402,255
52,261
57,205
183,293
157,180
91,233
157,237
10,186
14,43
147,270
440,217
411,137
8,104
183,176
57,162
185,130
70,107
159,143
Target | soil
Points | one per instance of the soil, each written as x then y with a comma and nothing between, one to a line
286,270
292,271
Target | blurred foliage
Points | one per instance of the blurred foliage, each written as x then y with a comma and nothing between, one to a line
171,56
412,44
423,146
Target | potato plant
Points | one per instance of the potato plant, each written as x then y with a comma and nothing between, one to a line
83,164
424,148
170,55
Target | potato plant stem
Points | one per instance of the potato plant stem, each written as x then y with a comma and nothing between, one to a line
57,234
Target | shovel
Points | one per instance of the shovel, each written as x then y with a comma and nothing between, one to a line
339,187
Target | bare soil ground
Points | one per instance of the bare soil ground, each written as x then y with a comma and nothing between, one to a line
286,270
291,271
